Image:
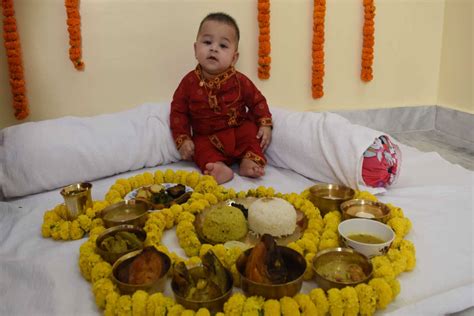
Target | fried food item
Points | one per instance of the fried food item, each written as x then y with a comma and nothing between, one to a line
121,242
265,263
145,268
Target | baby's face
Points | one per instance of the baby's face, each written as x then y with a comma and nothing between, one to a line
216,48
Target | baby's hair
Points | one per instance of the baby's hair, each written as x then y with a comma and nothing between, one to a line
223,18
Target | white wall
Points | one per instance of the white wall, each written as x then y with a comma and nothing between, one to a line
137,51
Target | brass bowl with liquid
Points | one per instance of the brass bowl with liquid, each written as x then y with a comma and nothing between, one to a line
329,197
129,212
360,208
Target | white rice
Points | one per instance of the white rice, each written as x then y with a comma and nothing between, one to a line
273,216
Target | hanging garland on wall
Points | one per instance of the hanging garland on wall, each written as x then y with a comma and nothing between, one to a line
74,29
319,13
264,46
14,59
366,73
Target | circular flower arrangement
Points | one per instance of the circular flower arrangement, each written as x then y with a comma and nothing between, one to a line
321,233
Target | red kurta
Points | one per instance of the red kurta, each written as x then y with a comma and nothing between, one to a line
221,116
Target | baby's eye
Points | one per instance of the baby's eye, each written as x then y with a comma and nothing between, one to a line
223,46
207,42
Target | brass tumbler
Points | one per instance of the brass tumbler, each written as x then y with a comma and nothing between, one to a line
77,198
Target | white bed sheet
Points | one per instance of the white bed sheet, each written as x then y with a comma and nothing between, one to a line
41,277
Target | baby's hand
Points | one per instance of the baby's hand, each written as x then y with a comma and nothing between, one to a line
187,150
265,136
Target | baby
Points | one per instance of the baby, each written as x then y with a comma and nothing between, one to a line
218,116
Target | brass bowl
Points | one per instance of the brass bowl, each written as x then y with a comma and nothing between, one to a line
130,212
213,305
359,208
128,288
296,265
329,197
338,258
109,256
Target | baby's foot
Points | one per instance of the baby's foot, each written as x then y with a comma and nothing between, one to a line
220,171
249,168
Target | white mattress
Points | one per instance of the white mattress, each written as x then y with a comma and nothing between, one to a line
41,277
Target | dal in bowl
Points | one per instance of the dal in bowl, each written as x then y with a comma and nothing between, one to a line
371,238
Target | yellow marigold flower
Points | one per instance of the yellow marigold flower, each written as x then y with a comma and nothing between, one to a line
101,288
204,249
125,184
328,243
307,244
395,285
119,188
232,255
148,178
61,210
320,301
203,312
158,177
315,225
234,305
86,263
296,247
111,302
169,176
235,275
206,184
64,230
332,216
395,211
101,270
140,180
192,179
95,232
384,271
97,222
188,312
193,261
112,195
329,234
408,251
220,314
55,229
176,310
336,305
124,305
299,202
309,272
289,307
85,222
51,215
271,308
399,261
139,303
367,299
307,306
351,301
46,229
364,195
241,194
87,248
253,305
383,292
133,183
155,304
211,198
401,226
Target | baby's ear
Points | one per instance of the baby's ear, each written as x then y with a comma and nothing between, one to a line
195,53
236,57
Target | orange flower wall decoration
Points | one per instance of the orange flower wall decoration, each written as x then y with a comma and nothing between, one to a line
74,29
366,73
319,13
14,59
264,47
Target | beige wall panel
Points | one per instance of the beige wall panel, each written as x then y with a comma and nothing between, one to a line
137,51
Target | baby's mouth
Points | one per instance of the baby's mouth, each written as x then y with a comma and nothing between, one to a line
212,58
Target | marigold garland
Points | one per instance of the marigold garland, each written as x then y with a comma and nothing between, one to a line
321,233
264,47
366,72
319,13
14,59
74,29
